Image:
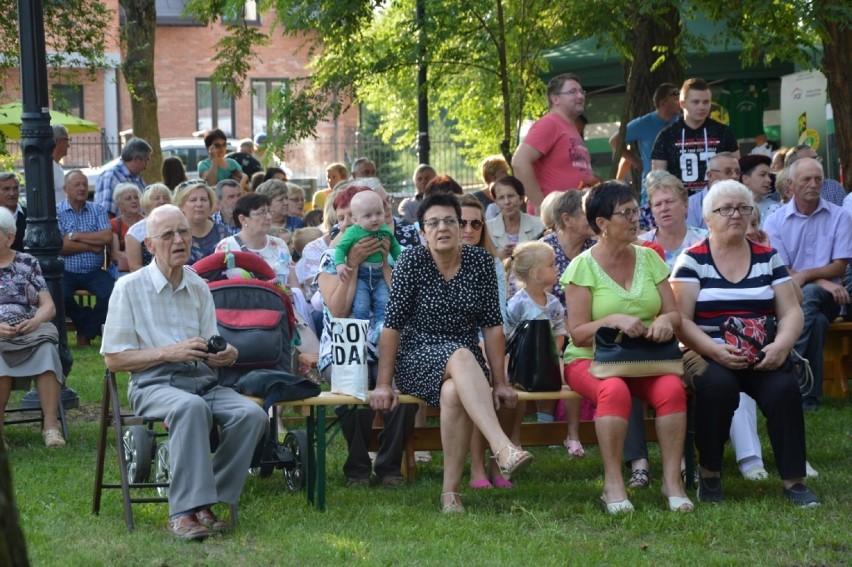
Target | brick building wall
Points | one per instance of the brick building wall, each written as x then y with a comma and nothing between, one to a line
185,54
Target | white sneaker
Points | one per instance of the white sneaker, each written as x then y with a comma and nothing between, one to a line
810,472
756,473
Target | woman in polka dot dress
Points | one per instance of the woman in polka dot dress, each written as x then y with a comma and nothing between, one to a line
441,295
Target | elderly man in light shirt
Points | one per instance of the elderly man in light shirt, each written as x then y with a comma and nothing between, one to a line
160,320
814,239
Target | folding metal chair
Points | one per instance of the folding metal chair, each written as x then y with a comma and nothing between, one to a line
28,408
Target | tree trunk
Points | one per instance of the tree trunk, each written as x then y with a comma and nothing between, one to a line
138,35
13,549
835,61
650,33
503,65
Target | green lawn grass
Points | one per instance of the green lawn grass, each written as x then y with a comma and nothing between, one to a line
553,517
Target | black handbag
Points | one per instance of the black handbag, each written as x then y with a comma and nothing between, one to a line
533,360
617,354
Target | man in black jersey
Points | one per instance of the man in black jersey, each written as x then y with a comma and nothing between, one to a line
685,147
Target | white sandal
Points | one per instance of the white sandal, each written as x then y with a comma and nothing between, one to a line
53,438
453,506
517,460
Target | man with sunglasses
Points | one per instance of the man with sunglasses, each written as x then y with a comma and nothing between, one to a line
134,159
553,155
642,131
217,167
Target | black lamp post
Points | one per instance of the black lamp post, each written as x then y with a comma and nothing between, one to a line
42,238
423,145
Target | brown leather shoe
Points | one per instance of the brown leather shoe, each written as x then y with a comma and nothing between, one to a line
187,527
208,519
82,340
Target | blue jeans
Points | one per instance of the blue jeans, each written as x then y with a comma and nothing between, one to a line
87,320
371,295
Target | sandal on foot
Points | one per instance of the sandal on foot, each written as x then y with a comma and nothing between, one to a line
453,506
423,456
616,508
501,482
574,448
640,479
53,438
481,483
679,503
517,460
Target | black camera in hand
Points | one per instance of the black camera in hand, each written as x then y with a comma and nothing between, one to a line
216,344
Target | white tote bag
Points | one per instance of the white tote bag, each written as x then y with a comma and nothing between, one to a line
349,370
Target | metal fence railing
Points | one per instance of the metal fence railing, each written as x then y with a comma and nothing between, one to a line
85,150
309,158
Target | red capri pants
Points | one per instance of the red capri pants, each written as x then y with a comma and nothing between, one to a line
612,395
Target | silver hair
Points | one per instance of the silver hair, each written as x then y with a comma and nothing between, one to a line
59,131
794,167
135,148
123,188
725,188
153,218
150,191
7,222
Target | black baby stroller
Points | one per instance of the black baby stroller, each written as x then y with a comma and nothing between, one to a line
254,314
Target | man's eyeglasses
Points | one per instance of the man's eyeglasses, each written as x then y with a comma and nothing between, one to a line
628,214
729,172
474,224
744,210
449,222
572,92
168,235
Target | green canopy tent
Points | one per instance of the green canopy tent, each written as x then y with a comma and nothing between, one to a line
601,67
10,121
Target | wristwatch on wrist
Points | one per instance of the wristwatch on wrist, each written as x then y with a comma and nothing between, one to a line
70,236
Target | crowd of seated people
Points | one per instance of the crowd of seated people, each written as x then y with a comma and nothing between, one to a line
442,337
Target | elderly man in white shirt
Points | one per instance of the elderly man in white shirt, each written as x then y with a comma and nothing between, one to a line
159,322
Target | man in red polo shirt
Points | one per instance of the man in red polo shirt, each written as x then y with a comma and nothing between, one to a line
553,156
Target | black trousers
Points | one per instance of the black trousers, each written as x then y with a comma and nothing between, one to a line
717,396
357,422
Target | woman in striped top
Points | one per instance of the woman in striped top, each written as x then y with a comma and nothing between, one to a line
728,275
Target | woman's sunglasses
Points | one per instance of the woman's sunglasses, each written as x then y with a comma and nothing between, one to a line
474,224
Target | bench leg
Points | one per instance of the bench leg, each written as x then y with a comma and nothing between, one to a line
320,458
312,465
689,445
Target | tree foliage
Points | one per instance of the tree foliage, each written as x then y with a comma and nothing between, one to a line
485,56
75,36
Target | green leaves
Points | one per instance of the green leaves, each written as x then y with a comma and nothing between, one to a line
74,30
